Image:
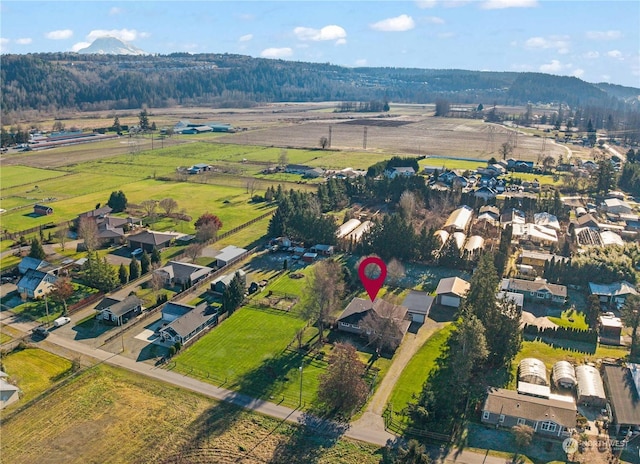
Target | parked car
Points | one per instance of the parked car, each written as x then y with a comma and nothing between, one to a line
61,321
40,332
137,252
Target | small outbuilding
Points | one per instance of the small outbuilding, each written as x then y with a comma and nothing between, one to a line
42,210
418,304
623,386
590,386
229,255
532,370
451,290
564,375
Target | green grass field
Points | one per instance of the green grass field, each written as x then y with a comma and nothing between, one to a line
34,371
108,412
571,318
12,176
417,370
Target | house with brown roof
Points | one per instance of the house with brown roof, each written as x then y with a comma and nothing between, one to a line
552,417
185,274
351,318
451,290
150,240
538,290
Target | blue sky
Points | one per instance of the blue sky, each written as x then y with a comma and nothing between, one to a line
596,41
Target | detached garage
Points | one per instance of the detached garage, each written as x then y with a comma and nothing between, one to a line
451,290
419,304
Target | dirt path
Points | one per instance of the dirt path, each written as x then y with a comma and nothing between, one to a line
372,417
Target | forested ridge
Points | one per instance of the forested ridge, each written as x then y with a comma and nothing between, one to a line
57,81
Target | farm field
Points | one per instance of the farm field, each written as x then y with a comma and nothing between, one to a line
111,412
20,175
34,371
417,370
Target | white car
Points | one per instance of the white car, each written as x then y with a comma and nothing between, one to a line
61,321
136,252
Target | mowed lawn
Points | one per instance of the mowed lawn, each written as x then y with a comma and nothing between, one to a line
246,352
34,371
417,370
11,176
109,412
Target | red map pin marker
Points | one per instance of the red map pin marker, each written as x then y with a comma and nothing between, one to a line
372,286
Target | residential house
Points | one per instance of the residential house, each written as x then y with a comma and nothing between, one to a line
622,384
489,213
512,216
538,290
534,233
42,210
551,417
119,312
189,325
539,259
615,293
586,220
229,255
485,193
297,169
515,298
451,290
109,235
150,240
94,214
351,318
418,305
220,284
313,173
28,263
326,250
403,171
617,206
459,219
9,393
546,220
183,274
36,284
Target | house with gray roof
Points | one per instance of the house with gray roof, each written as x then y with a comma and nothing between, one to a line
119,312
189,325
538,290
622,384
615,293
229,255
150,240
451,290
551,417
185,274
418,305
9,393
36,284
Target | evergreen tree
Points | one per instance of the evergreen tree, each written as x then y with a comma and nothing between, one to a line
99,273
143,120
116,124
606,176
36,250
233,295
123,274
134,269
145,262
117,201
155,256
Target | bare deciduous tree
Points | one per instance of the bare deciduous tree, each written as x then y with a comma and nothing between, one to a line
505,150
88,231
206,232
283,159
149,207
407,204
395,272
382,326
194,250
326,287
62,234
342,387
169,205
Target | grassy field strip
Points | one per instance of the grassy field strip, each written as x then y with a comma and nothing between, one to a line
13,176
130,418
417,370
34,371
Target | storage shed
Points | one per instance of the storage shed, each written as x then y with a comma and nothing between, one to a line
590,386
564,375
532,370
347,227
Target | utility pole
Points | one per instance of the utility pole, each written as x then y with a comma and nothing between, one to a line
330,128
300,402
364,138
46,307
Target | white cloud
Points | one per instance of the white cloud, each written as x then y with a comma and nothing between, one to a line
434,20
398,24
501,4
80,46
245,38
3,44
592,55
606,77
604,35
341,42
24,41
424,4
331,32
115,11
126,35
617,54
578,72
560,43
59,34
552,67
361,62
276,52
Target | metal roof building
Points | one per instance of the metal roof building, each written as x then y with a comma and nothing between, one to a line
459,219
347,227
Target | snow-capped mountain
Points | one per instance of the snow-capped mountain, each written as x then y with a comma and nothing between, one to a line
111,46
